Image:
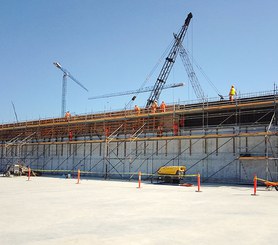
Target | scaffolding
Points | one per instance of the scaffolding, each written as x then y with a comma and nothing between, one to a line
120,143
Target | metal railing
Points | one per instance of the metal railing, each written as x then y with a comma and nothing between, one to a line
184,105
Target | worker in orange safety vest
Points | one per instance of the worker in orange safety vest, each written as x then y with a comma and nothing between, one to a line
175,128
107,132
137,109
70,136
154,106
67,115
162,106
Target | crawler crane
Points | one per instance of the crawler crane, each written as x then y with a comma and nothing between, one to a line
168,64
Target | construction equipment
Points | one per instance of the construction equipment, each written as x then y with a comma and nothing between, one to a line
142,90
168,64
171,174
269,184
17,170
64,86
191,74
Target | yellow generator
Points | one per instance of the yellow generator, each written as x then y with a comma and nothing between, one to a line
171,174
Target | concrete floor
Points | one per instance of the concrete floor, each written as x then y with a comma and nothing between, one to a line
59,211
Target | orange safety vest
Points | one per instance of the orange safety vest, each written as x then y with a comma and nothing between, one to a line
163,107
137,109
154,106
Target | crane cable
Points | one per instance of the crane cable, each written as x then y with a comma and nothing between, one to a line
157,64
206,76
151,73
202,71
198,66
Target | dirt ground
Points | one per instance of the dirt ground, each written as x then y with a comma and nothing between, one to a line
48,210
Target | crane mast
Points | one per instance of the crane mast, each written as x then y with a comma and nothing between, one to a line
168,64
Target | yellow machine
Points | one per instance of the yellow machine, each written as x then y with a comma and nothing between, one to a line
171,174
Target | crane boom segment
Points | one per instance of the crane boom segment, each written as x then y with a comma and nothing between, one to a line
142,90
75,80
191,74
67,73
64,86
168,64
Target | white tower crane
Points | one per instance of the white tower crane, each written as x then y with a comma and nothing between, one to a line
64,86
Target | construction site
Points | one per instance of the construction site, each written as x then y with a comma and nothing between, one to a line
224,140
193,172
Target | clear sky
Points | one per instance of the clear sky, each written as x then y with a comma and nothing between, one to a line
112,46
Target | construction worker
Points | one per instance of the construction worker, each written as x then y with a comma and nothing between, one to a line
154,106
70,136
232,93
162,106
67,115
159,131
137,109
107,132
182,121
175,128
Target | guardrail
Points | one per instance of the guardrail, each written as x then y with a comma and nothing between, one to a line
186,105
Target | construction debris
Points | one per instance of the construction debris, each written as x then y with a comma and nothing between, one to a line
18,170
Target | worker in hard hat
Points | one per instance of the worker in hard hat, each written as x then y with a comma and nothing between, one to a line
137,109
162,106
67,115
232,93
154,106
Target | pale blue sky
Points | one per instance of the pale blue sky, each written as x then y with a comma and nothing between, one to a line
112,45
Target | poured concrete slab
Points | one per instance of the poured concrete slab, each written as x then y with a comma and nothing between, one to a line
59,211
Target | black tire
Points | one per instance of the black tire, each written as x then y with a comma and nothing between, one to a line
176,181
276,187
168,179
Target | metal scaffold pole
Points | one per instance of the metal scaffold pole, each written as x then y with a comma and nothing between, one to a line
106,150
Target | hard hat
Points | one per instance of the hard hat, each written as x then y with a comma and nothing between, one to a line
232,86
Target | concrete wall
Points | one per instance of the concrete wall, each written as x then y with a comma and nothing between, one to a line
216,159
